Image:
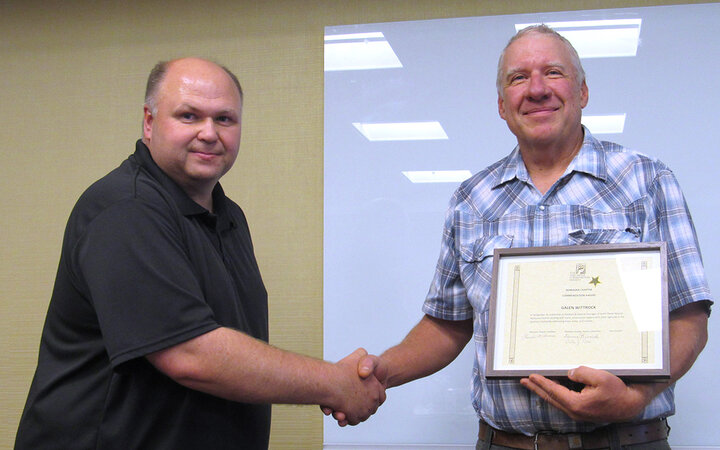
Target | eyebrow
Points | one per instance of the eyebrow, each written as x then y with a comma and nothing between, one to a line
558,64
512,70
225,111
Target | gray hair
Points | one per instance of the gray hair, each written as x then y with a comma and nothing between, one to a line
157,75
546,30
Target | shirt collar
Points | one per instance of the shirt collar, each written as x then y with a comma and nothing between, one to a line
590,160
219,218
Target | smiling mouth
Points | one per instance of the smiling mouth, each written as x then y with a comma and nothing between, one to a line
205,155
540,111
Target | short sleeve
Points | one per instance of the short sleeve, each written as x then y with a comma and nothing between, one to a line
447,298
671,222
133,261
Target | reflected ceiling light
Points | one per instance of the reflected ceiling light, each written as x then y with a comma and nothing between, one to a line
403,131
598,38
437,176
359,51
608,124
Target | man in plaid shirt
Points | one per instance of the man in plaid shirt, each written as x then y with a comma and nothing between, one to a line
559,186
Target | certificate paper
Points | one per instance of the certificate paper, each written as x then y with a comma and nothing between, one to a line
556,308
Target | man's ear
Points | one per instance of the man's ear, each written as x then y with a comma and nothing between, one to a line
584,94
147,123
501,106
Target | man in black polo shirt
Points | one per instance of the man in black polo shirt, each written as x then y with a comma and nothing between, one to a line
156,332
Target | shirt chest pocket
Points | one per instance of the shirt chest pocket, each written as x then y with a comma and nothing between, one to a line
476,262
605,236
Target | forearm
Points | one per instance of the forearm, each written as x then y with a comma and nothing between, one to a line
235,366
688,336
430,346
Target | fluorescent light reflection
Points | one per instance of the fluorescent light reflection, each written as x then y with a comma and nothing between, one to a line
401,131
354,36
360,51
437,176
607,124
599,38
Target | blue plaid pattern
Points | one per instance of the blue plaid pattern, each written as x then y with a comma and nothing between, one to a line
608,194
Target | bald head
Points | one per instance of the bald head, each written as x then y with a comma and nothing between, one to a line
158,73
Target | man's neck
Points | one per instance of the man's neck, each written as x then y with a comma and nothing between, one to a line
546,163
202,198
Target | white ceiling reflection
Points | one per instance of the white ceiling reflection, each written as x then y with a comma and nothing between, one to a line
382,232
606,124
437,176
359,51
598,38
402,131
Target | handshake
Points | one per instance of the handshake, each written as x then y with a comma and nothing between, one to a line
359,389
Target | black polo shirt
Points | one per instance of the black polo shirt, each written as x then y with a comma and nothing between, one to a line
143,268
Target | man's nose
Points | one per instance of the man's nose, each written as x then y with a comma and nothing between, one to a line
207,131
538,88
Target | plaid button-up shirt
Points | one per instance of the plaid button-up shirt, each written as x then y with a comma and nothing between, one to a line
607,195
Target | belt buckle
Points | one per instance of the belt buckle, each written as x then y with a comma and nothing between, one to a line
574,440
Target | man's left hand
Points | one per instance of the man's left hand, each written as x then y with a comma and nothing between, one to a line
605,397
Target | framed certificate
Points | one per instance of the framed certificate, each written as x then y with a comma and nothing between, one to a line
602,306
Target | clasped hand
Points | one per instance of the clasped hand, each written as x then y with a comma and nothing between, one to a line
362,391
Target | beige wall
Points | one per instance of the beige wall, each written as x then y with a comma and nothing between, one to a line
71,81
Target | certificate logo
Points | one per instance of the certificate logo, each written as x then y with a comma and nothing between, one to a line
580,269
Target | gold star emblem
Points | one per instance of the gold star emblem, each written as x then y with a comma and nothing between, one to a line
595,281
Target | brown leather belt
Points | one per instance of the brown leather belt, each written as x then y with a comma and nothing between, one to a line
627,435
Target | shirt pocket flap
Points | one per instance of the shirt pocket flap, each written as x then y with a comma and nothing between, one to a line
604,236
482,248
